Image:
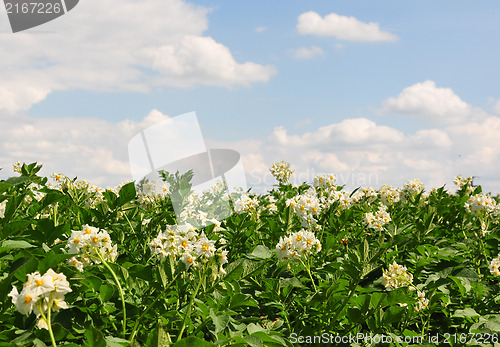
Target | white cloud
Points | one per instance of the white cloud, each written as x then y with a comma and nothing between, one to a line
101,46
260,29
341,27
427,101
89,148
308,52
201,60
359,151
19,96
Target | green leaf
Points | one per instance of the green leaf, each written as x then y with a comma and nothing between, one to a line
260,252
467,312
253,328
106,292
127,193
220,322
9,245
294,282
253,341
393,314
94,338
234,270
116,342
159,337
15,227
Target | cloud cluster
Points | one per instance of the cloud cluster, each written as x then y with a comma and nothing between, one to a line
341,27
89,148
127,46
428,102
360,151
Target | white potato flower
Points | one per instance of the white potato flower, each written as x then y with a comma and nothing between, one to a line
396,276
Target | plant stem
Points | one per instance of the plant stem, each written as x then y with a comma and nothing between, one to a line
122,297
47,319
308,269
188,311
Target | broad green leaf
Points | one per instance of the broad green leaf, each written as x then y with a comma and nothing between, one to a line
9,245
466,312
106,292
94,338
261,252
127,193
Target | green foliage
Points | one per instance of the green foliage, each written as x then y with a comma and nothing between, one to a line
258,301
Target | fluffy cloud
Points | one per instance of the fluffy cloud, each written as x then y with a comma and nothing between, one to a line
103,46
202,60
308,52
19,96
89,148
359,151
341,27
427,101
363,153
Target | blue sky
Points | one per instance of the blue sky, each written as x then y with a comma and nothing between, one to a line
388,89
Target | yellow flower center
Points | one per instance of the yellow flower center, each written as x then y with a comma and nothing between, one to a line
184,244
27,300
299,238
39,282
76,240
95,239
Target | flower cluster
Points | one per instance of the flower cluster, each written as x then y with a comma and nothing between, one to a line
326,181
184,243
34,192
495,266
481,203
245,203
422,301
151,191
92,245
281,171
412,187
40,294
462,182
270,205
297,245
306,206
396,276
388,194
17,167
377,220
